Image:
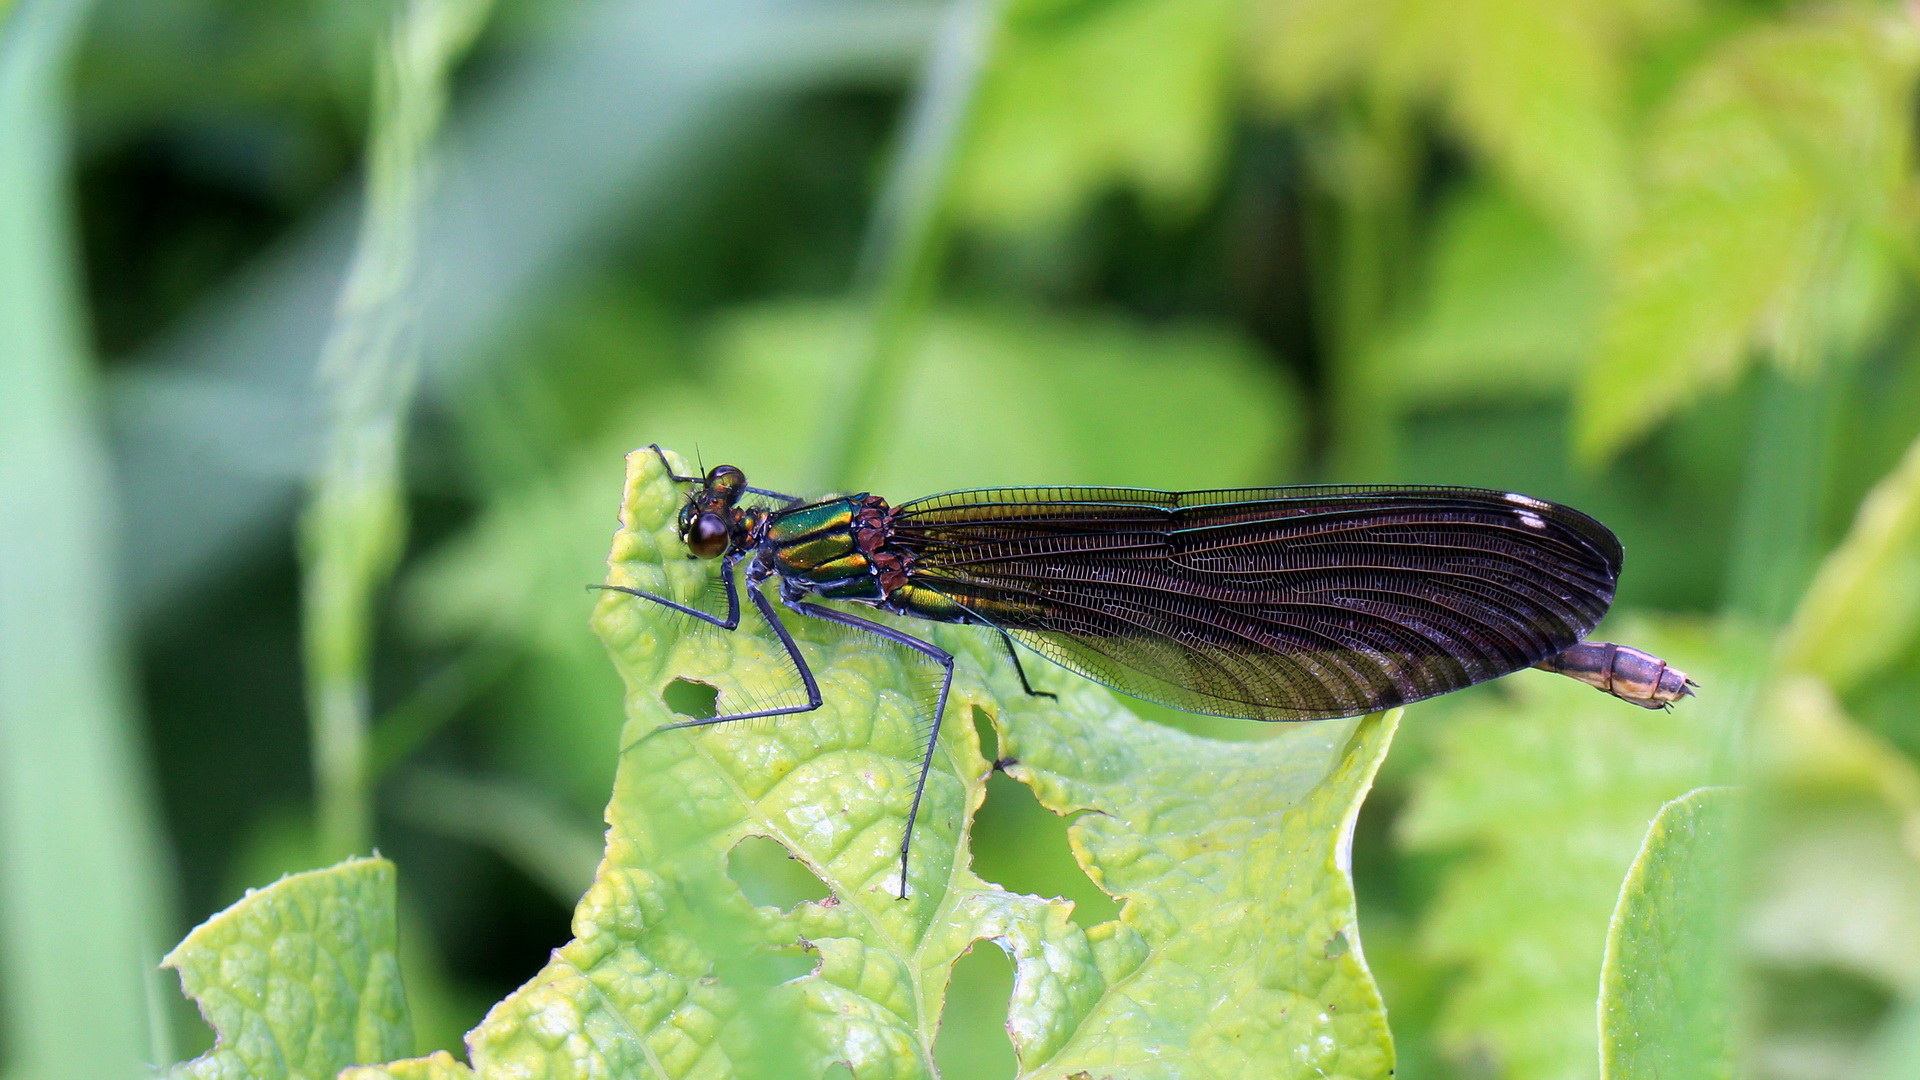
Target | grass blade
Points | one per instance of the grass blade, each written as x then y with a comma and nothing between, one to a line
353,531
81,890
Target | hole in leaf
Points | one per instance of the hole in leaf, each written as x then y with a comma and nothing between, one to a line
973,1038
989,738
837,1071
694,700
770,875
1022,846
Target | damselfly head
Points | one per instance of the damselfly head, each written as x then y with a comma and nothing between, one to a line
706,522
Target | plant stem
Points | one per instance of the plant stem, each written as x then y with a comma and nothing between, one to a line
1365,167
83,888
354,528
541,838
907,239
1776,538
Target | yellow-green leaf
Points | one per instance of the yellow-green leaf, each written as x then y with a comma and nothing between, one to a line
1864,603
1775,182
1537,89
438,1066
1084,95
300,979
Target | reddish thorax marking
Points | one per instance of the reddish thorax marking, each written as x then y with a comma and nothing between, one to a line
872,529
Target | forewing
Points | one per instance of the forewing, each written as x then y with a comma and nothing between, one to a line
1271,603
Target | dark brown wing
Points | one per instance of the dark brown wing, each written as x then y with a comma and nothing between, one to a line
1270,603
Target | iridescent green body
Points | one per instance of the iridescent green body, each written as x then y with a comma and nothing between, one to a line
814,547
840,549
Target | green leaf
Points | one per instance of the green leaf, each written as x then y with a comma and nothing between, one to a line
1236,952
1776,184
437,1066
1665,1001
1536,88
1083,95
1835,868
1543,793
299,979
1508,310
1864,603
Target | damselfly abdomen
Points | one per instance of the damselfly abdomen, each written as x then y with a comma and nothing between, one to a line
1292,603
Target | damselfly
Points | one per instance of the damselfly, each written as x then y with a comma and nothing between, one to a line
1288,603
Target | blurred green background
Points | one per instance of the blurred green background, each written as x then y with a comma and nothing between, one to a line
1654,258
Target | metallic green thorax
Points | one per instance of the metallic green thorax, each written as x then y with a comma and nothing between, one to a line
815,547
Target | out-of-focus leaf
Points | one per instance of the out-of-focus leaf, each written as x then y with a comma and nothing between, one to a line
1839,873
1508,310
996,395
1665,994
1546,795
1864,604
1084,95
1536,88
1832,936
1236,952
299,979
1898,1053
1776,183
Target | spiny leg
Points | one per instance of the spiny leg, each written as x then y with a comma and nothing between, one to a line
790,500
945,660
1014,655
667,465
732,619
732,622
799,665
678,479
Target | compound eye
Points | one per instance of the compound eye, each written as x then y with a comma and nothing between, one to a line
708,537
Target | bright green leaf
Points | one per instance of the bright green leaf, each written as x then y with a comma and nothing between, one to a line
1084,95
1837,868
1665,1001
1545,793
1864,603
299,979
1236,953
1508,310
1535,88
1775,188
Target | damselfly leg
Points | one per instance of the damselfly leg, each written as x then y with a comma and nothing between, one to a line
1013,654
939,655
789,500
729,623
799,665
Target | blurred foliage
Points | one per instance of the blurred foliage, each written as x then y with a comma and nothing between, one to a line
1542,820
1653,258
